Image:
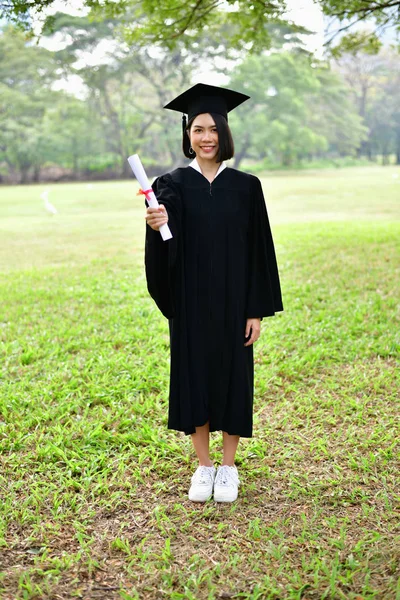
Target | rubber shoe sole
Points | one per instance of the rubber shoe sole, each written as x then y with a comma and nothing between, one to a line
198,497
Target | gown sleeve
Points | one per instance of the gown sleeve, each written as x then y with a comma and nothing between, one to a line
161,257
264,297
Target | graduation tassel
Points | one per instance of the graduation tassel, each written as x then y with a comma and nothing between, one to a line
183,123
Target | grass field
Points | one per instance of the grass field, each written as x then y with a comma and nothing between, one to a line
94,487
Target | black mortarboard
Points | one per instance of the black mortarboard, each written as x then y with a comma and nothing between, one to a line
202,98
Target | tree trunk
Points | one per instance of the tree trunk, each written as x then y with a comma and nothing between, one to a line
75,166
363,100
36,173
385,157
116,127
287,158
239,156
24,173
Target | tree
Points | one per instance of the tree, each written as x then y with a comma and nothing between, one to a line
38,125
26,71
331,113
72,136
300,109
383,111
374,82
167,21
128,89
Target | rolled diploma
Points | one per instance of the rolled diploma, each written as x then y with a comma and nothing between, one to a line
139,172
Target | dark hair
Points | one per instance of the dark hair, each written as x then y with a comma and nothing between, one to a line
225,141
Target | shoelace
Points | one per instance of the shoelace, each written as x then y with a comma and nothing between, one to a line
226,476
203,476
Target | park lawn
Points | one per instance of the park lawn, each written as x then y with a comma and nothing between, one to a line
94,487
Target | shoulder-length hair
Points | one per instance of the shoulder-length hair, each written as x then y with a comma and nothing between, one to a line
225,140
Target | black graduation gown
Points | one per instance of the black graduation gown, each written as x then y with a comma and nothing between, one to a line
218,270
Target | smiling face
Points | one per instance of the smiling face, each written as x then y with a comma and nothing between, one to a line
204,137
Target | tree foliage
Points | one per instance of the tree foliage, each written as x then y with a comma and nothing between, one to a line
39,125
383,11
374,83
25,73
300,108
167,21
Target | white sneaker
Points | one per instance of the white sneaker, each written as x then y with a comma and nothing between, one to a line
226,484
202,484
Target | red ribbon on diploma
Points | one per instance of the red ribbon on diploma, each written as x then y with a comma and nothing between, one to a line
145,193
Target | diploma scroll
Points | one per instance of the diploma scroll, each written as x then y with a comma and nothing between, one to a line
139,172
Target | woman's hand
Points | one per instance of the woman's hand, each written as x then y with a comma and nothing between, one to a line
253,325
156,217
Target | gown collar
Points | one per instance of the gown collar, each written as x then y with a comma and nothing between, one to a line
195,165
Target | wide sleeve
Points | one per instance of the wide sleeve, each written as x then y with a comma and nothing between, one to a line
161,257
264,296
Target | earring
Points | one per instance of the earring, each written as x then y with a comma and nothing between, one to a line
191,151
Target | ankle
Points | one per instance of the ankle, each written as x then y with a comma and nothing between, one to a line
207,463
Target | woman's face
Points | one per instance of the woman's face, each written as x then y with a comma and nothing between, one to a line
204,137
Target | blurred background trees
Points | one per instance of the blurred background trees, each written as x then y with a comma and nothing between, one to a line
65,117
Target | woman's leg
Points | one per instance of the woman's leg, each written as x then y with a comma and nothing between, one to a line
227,479
201,443
230,446
202,483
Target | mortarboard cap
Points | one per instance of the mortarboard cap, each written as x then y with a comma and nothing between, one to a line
202,98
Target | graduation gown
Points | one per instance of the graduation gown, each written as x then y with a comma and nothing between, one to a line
218,270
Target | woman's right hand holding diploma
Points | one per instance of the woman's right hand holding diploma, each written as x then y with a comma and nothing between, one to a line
156,217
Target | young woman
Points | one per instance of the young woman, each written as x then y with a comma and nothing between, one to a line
214,280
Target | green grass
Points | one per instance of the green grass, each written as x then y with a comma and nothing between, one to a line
94,487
